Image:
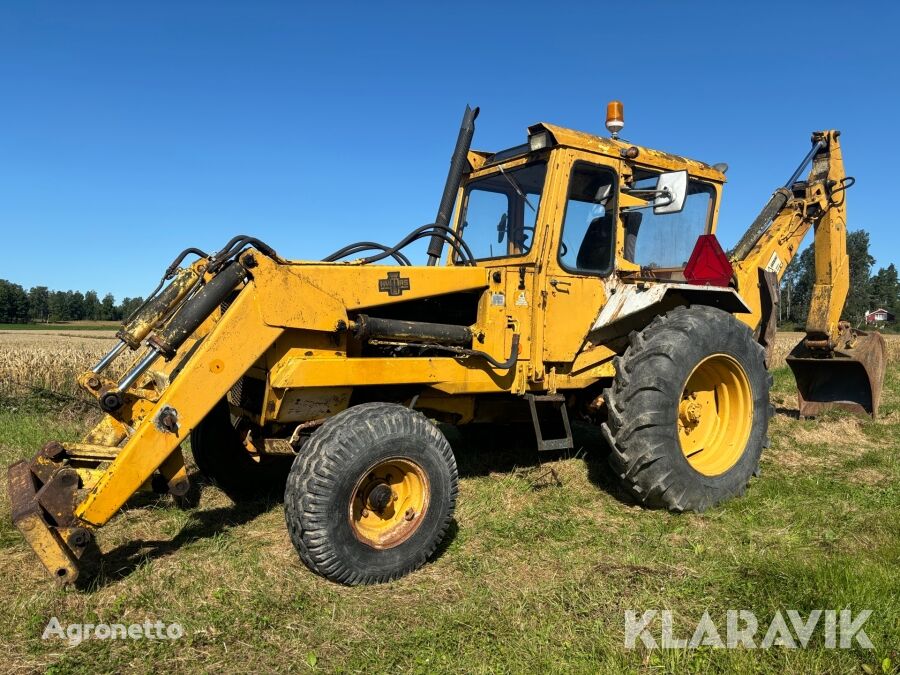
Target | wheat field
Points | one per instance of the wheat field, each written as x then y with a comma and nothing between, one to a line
48,360
785,342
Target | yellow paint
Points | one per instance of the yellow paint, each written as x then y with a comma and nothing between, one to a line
287,330
49,548
781,242
715,415
389,502
242,338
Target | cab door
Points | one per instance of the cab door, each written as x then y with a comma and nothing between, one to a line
580,252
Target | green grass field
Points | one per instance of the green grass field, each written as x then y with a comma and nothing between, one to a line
534,577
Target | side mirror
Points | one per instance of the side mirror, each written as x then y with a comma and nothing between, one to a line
671,190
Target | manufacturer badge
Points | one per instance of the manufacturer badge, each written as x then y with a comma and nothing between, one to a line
394,284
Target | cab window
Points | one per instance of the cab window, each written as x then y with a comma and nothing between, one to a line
501,211
667,240
587,243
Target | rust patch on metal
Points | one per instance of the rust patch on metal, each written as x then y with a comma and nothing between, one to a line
768,326
167,420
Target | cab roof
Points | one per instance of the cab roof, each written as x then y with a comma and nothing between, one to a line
615,148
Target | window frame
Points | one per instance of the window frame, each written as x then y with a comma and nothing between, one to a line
466,191
710,213
616,224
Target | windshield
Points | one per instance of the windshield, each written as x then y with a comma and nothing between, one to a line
501,211
667,240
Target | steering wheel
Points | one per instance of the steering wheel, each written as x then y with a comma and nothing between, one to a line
501,229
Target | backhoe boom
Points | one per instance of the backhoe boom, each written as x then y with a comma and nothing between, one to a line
761,258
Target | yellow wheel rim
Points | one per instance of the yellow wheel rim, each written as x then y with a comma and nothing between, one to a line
389,502
715,415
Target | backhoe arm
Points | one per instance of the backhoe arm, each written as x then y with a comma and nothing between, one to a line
834,365
775,237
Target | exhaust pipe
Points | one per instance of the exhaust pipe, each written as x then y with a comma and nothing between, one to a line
454,178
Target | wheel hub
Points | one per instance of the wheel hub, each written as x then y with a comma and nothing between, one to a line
380,497
388,503
690,411
715,415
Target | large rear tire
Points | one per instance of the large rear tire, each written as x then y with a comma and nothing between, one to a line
689,410
222,458
371,494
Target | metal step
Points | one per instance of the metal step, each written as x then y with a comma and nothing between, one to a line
559,402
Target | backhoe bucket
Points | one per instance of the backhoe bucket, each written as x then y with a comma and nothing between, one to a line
850,379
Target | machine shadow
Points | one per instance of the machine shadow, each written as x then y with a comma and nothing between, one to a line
482,449
793,413
123,560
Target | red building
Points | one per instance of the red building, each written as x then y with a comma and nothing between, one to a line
879,316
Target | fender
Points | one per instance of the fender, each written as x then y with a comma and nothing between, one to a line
626,300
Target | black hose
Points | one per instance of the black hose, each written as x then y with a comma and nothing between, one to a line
443,233
171,269
169,273
461,254
231,242
366,246
234,248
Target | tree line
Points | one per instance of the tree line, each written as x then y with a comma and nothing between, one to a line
41,305
868,291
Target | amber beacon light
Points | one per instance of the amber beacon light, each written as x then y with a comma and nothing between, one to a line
615,117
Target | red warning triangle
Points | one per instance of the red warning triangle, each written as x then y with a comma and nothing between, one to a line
708,263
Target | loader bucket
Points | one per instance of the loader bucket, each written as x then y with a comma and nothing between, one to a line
849,379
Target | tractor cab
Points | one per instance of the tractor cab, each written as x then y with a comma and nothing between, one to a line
569,219
593,205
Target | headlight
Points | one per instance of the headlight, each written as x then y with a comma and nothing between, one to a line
539,141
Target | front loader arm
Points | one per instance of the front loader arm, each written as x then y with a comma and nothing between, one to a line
66,491
239,339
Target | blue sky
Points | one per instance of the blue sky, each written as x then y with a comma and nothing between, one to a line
131,130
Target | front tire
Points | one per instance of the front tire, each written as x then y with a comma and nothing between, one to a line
371,494
689,410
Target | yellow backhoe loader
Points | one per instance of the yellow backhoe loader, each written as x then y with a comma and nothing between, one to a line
581,277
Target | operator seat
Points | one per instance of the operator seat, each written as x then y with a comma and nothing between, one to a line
632,225
595,249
